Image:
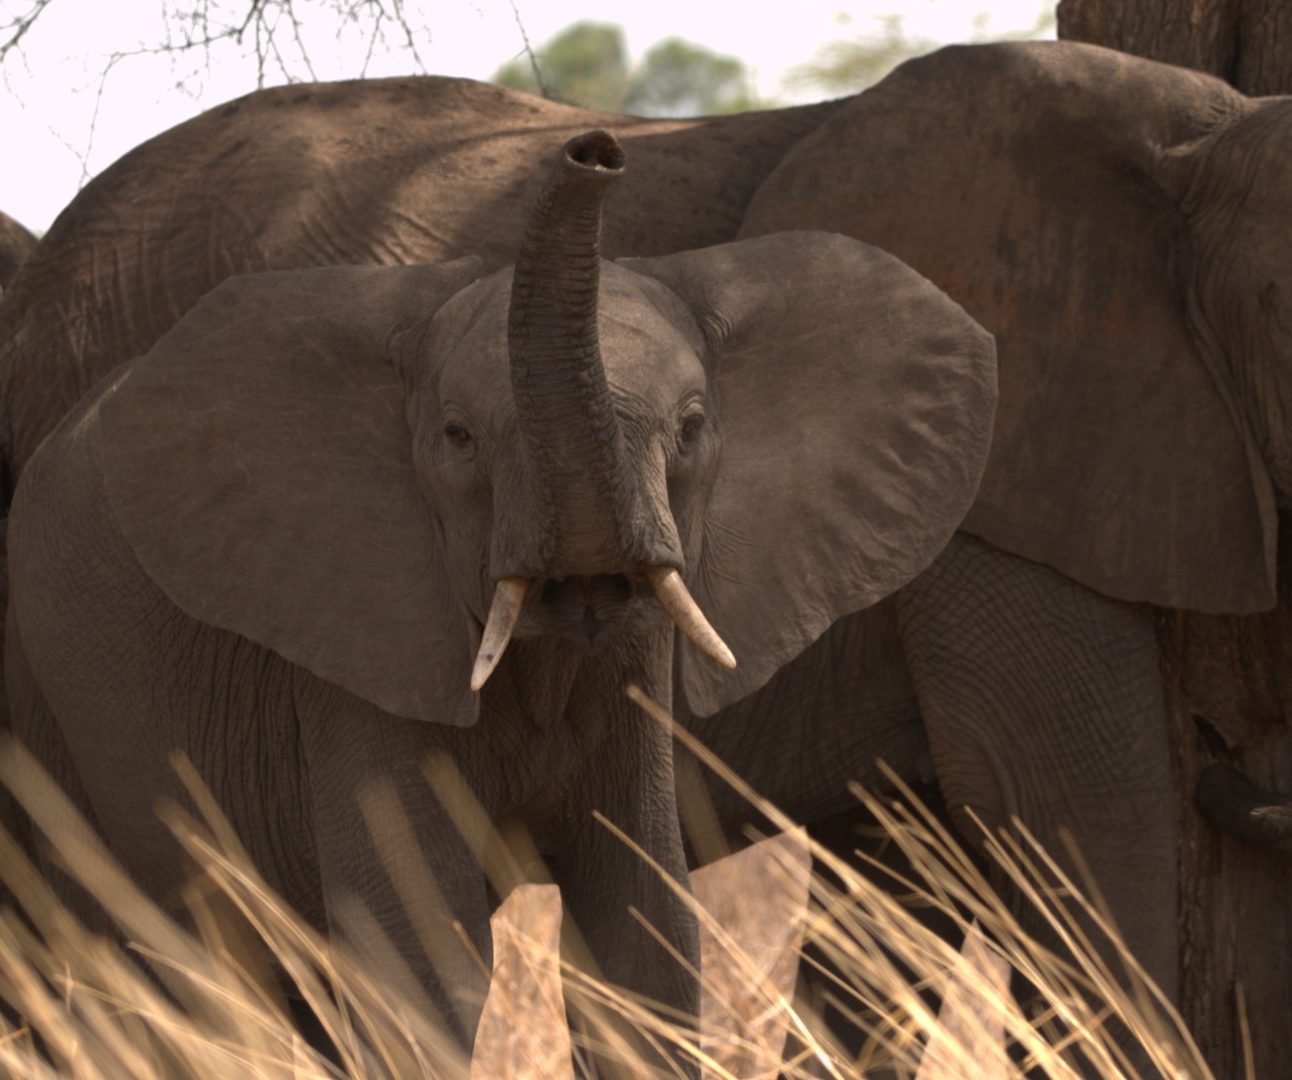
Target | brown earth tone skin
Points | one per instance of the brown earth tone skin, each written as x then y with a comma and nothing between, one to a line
1118,225
1128,258
16,243
382,172
1228,686
373,449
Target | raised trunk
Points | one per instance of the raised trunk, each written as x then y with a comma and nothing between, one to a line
574,450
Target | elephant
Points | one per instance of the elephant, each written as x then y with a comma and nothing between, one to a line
16,243
276,541
1116,223
378,172
1112,221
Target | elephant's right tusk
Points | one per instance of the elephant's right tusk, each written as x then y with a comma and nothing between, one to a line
508,599
675,599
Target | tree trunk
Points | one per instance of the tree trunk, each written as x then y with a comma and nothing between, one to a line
1229,693
1228,680
1248,43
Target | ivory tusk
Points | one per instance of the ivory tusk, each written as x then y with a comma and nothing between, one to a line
508,599
674,598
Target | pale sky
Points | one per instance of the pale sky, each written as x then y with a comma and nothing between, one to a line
48,99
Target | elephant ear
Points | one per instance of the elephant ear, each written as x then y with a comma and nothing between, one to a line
258,461
1021,179
854,407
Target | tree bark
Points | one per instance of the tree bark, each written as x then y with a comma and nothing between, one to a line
1229,694
1248,43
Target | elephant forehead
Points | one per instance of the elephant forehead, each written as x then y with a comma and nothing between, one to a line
647,354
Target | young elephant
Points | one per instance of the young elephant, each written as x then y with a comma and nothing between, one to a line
272,543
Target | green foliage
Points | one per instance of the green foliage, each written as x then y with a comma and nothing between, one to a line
850,65
587,64
846,66
678,78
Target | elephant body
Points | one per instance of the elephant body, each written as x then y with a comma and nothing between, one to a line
275,541
1114,222
16,244
287,755
375,172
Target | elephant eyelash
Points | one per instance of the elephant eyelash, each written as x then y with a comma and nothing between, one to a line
457,434
691,428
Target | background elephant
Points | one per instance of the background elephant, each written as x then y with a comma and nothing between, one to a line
272,543
16,243
1075,201
378,172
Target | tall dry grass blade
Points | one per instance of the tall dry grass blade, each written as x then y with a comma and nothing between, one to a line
970,1021
763,927
106,1014
419,894
509,862
526,983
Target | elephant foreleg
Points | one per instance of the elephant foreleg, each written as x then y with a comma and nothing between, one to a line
1042,699
401,886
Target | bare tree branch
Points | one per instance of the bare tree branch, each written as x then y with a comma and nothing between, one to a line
529,51
12,32
269,32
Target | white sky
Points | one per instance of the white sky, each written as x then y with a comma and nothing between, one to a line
47,100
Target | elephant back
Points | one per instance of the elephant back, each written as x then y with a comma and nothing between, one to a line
375,172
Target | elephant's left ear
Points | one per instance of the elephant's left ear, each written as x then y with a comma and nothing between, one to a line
258,461
855,404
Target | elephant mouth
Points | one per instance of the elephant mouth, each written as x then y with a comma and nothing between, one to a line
591,611
587,611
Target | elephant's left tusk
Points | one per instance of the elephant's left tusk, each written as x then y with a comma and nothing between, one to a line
675,599
508,599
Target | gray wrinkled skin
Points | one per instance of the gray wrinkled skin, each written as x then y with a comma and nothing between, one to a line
270,543
1116,224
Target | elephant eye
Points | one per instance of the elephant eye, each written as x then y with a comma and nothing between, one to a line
457,434
689,430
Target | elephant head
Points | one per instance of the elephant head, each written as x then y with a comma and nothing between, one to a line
1119,225
384,473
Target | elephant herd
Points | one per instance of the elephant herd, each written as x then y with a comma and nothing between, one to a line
347,426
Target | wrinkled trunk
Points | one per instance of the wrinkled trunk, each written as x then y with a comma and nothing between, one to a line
1248,43
574,450
592,517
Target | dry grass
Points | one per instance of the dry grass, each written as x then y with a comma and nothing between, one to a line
198,999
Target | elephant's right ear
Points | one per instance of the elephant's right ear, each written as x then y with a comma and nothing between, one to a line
854,411
1019,178
258,462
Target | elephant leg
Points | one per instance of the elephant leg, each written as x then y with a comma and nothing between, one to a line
36,728
601,878
400,885
1042,699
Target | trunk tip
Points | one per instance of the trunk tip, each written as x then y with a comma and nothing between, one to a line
596,150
